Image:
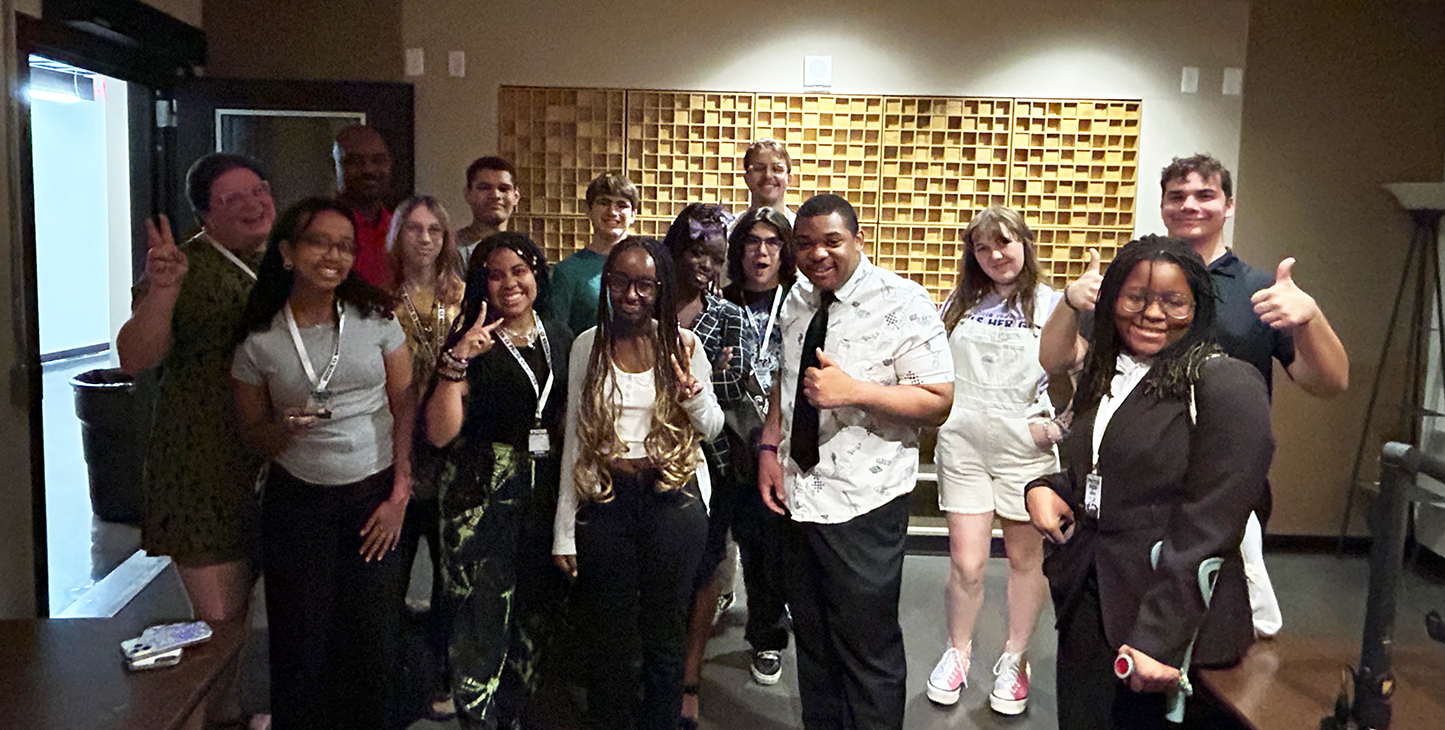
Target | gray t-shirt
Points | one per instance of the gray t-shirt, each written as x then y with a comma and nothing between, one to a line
356,441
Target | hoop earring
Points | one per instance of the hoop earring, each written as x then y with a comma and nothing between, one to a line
286,265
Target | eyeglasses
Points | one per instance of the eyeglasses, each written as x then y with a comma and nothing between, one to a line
417,229
620,285
756,243
1173,304
238,198
758,168
322,245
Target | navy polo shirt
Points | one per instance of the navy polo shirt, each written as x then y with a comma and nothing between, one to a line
1237,329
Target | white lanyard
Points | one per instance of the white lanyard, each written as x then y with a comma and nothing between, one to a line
230,255
319,384
545,390
768,326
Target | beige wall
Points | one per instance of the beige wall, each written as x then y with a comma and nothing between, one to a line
1340,97
1046,48
283,39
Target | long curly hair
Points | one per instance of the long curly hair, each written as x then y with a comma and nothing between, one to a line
993,223
274,280
672,441
1177,365
448,284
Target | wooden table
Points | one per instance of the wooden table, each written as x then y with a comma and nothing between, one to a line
1292,682
68,674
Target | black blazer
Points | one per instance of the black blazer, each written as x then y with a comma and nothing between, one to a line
1191,485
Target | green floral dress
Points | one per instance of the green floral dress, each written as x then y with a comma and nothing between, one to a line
199,481
503,592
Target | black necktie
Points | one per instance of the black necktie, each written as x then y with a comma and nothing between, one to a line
804,446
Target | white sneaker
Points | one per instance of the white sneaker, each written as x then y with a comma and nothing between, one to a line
1010,694
949,677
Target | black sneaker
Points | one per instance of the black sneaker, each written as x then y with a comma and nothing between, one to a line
767,667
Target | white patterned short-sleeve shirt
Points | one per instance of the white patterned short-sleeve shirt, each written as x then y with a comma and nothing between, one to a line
883,328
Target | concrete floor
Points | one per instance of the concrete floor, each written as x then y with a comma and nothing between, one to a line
1320,595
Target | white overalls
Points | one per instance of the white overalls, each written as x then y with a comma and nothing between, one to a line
985,454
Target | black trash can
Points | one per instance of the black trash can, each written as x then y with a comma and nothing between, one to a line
111,432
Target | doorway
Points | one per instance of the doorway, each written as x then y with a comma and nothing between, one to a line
80,151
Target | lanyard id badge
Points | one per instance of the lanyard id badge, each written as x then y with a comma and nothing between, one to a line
539,441
1093,487
319,395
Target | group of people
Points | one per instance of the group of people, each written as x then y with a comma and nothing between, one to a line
590,448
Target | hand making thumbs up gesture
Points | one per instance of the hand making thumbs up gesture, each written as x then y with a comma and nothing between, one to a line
165,264
828,385
1284,305
1081,293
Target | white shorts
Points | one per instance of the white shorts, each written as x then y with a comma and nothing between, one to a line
984,461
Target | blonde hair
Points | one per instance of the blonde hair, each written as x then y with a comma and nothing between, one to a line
672,441
449,280
974,284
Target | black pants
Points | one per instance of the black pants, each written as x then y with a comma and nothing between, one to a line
423,524
843,584
1090,696
334,624
759,535
637,556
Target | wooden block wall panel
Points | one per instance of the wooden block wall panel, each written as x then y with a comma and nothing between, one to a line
1062,251
834,142
1075,163
944,159
686,147
916,168
927,254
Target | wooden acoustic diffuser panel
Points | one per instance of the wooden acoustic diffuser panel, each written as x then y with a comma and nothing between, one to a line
916,168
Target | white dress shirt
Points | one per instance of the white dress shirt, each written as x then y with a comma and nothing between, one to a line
883,329
1128,374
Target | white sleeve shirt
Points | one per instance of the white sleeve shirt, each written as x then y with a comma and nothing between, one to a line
883,329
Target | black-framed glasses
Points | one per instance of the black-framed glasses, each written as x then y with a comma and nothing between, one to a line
1173,304
620,285
758,243
321,244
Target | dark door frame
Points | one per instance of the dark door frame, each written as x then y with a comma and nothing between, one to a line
64,43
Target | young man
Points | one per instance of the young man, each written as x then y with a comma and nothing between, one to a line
768,172
865,364
612,204
1259,319
492,194
363,182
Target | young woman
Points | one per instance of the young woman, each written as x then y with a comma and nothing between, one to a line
697,241
762,267
495,412
1166,459
322,384
633,462
998,436
201,506
427,283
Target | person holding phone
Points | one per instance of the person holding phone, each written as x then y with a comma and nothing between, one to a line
322,383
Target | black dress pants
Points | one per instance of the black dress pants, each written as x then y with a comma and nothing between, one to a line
1090,696
843,586
637,556
333,618
758,532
